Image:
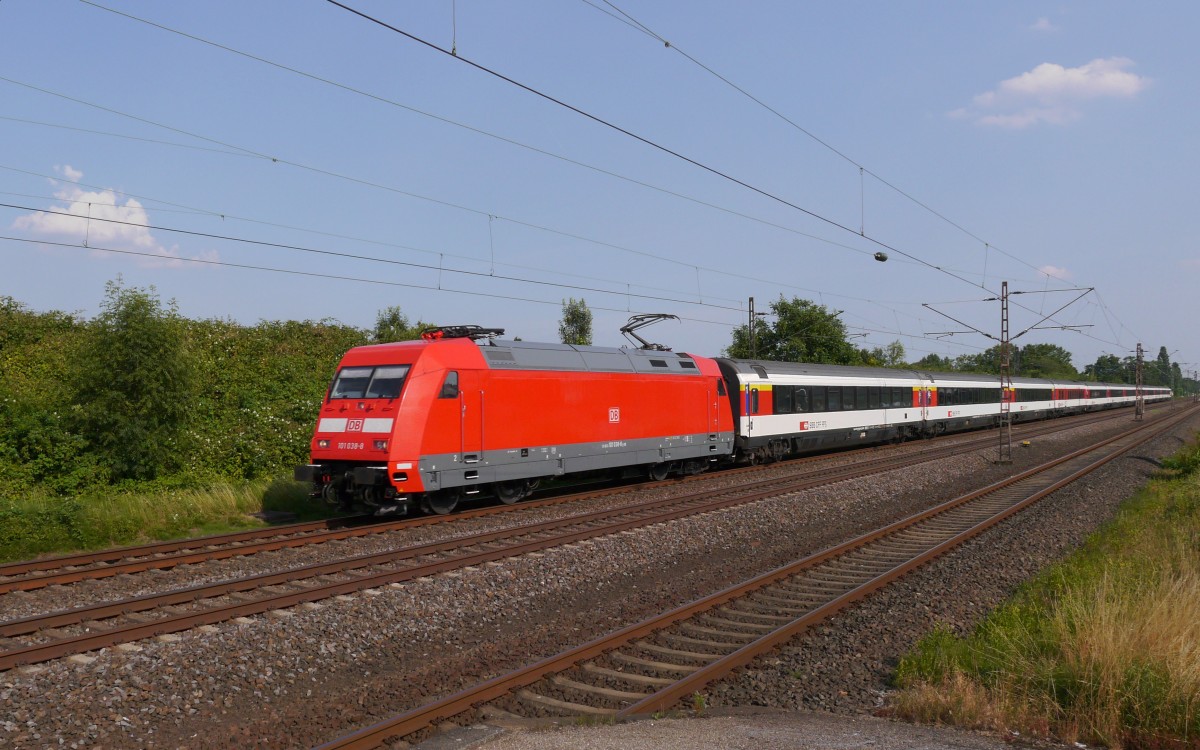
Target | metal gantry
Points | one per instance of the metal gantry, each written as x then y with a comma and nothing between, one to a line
1140,408
1006,384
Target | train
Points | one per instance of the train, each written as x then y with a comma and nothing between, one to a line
462,413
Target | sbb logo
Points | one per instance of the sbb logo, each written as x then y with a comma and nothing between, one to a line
614,414
354,425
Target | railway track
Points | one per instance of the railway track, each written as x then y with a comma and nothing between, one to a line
31,575
43,637
655,664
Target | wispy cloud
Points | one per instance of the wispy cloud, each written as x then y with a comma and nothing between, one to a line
99,218
1043,25
1054,94
69,173
1056,272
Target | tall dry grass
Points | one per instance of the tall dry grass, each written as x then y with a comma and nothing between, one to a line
1104,648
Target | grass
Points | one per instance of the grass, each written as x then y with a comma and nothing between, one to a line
45,524
1102,648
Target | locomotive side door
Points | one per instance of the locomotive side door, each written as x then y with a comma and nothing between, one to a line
471,416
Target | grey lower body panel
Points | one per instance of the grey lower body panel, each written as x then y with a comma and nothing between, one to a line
516,464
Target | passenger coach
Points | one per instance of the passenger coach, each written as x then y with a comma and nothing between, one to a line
786,408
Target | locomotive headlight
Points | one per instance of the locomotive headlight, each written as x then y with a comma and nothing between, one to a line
380,445
323,443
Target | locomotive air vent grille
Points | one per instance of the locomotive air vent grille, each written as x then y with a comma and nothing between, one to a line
499,355
658,363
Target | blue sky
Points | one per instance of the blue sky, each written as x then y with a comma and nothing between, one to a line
1051,145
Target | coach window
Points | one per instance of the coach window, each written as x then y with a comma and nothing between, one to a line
901,397
800,400
783,399
874,398
450,386
863,398
754,401
833,398
818,397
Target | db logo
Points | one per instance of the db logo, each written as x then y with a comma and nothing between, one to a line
354,425
614,414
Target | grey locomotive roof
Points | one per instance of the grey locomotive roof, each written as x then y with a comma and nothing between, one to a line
534,355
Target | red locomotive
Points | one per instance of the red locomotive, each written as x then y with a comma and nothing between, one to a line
432,421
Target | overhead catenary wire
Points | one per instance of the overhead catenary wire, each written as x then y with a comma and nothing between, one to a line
632,22
250,152
655,145
353,256
324,276
687,264
388,188
224,215
358,279
482,132
652,144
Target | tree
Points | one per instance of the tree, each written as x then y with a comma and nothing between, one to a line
392,325
1158,372
935,363
1045,361
891,355
987,361
135,384
1107,368
575,327
803,331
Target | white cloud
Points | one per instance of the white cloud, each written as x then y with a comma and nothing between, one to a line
82,220
1053,94
1043,24
1056,272
73,175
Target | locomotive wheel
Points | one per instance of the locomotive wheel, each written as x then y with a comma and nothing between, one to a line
659,472
440,503
510,492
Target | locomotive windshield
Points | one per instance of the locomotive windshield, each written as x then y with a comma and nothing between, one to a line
369,382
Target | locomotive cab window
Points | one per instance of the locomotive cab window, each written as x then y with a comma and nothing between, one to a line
351,382
369,382
450,386
387,381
